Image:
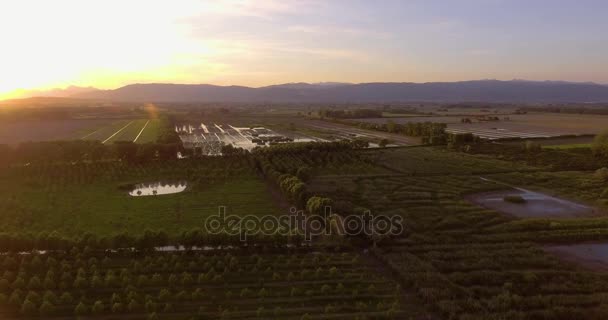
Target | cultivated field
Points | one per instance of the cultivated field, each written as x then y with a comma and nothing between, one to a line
95,197
123,236
16,132
140,131
532,125
465,259
340,131
204,285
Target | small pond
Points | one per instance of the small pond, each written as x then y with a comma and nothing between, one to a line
158,188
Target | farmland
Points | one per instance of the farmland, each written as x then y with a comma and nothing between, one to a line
36,130
535,125
209,285
88,197
87,129
140,131
122,233
340,131
467,260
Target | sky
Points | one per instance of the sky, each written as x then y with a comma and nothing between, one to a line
111,43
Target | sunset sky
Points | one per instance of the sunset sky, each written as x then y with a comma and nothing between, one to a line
110,43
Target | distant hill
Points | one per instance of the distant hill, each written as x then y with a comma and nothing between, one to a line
53,93
479,90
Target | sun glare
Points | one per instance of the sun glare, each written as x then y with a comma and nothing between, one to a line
90,43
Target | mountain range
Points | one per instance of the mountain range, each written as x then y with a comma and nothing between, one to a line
333,92
54,93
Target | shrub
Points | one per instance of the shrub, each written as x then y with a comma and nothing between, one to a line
514,199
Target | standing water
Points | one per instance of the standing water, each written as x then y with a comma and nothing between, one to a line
157,188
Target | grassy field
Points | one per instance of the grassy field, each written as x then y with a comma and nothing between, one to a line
87,197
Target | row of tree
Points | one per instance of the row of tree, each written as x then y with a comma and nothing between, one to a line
350,113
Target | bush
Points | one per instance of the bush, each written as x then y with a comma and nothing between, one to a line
514,199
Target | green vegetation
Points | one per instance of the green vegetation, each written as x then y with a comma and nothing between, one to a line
600,144
205,285
72,199
569,146
112,255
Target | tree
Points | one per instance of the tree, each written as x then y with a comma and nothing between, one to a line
34,283
164,295
391,126
600,144
29,308
133,306
117,307
125,150
98,307
81,309
263,293
66,298
50,297
47,309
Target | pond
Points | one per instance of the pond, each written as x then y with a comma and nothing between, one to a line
158,188
533,204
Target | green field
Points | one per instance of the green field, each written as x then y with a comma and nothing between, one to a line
126,130
86,198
